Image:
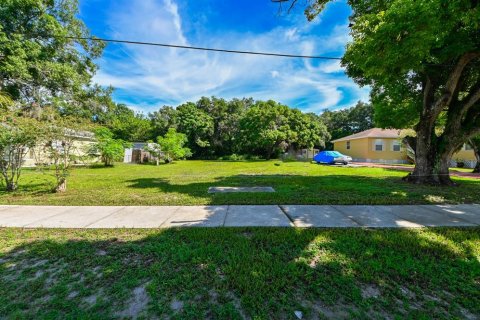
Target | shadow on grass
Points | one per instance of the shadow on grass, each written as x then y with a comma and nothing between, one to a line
240,272
329,189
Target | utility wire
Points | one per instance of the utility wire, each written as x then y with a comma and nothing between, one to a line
272,54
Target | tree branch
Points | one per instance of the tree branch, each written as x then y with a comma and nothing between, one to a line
454,77
471,99
281,1
427,91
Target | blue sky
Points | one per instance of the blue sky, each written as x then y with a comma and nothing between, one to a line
145,78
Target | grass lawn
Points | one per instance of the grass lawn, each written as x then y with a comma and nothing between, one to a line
239,273
187,182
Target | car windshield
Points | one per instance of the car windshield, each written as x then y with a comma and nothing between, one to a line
336,154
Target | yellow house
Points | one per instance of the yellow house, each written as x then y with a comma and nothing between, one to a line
83,140
385,146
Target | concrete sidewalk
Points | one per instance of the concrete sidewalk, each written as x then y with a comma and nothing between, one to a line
408,216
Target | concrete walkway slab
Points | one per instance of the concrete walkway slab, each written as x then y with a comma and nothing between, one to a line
375,217
467,212
6,207
426,217
136,217
239,189
21,216
75,217
197,216
256,216
317,216
410,216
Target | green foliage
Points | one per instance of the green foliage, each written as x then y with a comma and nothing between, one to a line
421,60
127,125
233,157
186,183
172,146
5,102
57,139
39,61
17,136
109,149
226,116
269,128
341,123
327,273
163,119
155,150
197,125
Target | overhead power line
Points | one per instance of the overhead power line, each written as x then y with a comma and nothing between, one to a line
271,54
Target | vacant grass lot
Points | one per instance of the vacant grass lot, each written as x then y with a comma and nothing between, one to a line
234,273
187,182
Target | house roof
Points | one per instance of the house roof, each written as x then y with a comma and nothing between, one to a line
372,133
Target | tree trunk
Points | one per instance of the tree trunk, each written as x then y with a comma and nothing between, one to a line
477,166
443,171
476,149
425,155
11,186
61,186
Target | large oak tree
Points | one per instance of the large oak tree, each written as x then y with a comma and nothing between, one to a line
422,62
40,62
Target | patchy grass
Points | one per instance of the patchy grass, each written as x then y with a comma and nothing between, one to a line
240,273
187,182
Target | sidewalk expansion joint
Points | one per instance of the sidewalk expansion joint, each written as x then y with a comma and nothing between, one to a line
292,222
102,218
345,215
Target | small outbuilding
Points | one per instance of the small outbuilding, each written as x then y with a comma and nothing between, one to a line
138,153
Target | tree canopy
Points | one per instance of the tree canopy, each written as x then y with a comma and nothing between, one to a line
422,61
269,128
341,123
39,61
107,147
172,145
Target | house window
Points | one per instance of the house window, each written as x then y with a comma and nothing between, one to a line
348,145
468,147
378,145
396,146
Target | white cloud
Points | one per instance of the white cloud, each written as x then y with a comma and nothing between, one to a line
174,76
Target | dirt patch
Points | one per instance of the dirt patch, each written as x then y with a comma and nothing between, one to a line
335,312
39,263
101,252
38,274
407,293
91,300
238,305
467,314
18,253
137,303
314,262
176,305
370,291
97,271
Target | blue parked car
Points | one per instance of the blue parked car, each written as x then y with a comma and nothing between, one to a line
332,157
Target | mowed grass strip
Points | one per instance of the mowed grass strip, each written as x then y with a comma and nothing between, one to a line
187,183
235,273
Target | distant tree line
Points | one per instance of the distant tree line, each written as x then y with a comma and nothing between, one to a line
344,122
215,127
